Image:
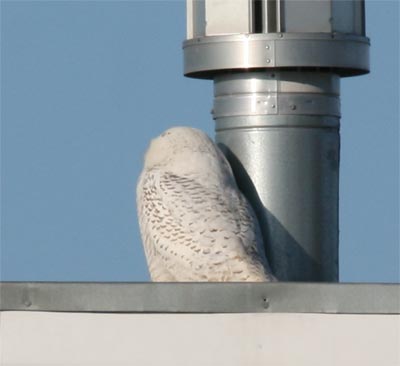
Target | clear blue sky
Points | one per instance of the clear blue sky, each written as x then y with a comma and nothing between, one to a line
86,84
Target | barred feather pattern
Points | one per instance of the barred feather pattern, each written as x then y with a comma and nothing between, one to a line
195,223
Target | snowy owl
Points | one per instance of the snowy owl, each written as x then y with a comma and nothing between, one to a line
195,223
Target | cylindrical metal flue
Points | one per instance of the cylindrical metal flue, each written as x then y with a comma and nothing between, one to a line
280,132
276,66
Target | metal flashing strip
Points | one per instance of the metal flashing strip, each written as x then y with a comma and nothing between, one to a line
125,297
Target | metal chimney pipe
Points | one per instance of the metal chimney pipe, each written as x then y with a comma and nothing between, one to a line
280,132
276,67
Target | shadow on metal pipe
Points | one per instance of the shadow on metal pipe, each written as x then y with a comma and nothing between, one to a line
287,253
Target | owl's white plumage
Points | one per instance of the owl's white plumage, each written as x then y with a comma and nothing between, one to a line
195,223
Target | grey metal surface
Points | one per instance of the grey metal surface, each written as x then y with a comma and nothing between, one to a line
344,54
276,68
211,17
306,16
276,93
280,133
201,297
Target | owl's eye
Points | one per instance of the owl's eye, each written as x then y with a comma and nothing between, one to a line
165,133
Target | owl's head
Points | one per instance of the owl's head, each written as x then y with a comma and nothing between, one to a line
180,146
